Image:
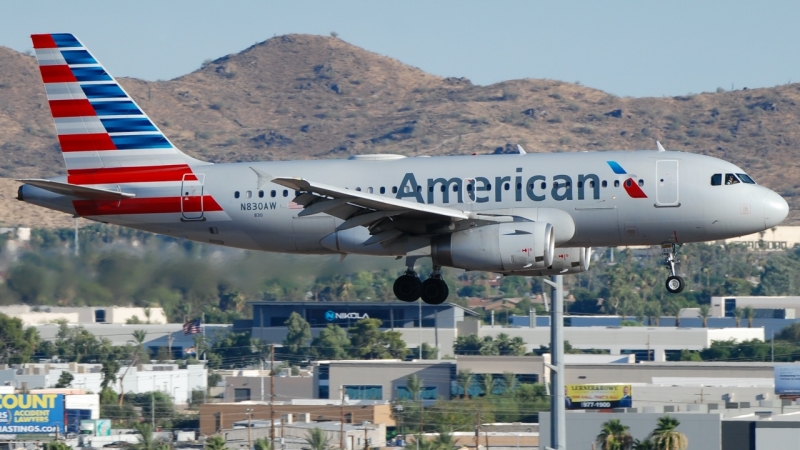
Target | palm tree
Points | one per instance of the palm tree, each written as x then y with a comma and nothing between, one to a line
667,437
704,313
316,439
464,379
510,382
614,436
488,384
146,439
444,441
414,386
645,444
262,444
215,442
749,314
738,313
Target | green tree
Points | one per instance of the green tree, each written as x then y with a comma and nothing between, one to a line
298,334
510,382
17,345
644,444
317,439
667,437
749,314
444,441
65,380
262,444
331,344
110,368
56,445
367,341
704,314
414,386
790,333
146,438
429,351
464,381
738,313
488,384
614,436
215,442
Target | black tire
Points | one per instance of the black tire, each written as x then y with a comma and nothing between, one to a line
434,291
675,284
407,288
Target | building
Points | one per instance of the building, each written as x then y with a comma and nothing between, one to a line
167,378
249,385
221,416
442,324
417,322
784,307
84,314
292,434
777,238
167,336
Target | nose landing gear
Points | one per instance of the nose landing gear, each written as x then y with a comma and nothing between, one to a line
675,283
409,288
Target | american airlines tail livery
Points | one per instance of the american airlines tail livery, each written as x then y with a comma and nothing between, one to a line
526,214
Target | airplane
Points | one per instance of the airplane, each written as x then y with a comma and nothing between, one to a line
523,214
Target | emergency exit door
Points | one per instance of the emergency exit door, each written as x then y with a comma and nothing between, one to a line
667,183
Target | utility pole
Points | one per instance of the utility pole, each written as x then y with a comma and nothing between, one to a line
272,394
558,429
366,443
420,329
77,251
478,431
249,428
341,418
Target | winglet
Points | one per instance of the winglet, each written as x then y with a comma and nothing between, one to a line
660,147
521,150
263,177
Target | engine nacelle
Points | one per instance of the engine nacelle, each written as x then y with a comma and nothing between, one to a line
566,261
504,247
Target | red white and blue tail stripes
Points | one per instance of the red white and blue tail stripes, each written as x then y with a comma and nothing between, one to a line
99,126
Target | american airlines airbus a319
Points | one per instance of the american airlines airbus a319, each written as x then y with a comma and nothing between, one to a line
526,214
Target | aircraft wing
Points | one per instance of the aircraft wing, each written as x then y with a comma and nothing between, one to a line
76,190
365,200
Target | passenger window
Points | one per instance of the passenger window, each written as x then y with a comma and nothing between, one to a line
580,184
260,194
731,179
716,179
591,183
544,185
488,186
628,183
469,187
419,188
506,186
455,188
745,178
285,193
568,184
394,189
442,188
273,194
383,190
358,189
236,194
605,183
641,182
248,194
616,183
369,190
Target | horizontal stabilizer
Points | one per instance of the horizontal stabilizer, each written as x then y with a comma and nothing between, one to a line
91,193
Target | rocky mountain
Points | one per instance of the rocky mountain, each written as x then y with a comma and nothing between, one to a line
302,96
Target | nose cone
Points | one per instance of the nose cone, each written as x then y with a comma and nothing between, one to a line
775,209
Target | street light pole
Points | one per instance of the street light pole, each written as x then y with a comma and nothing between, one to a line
558,429
249,428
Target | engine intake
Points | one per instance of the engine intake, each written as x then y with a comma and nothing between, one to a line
504,247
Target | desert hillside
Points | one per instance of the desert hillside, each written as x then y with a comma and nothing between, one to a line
301,96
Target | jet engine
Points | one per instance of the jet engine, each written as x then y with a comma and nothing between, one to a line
566,261
504,247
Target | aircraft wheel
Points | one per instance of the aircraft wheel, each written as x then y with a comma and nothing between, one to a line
407,288
675,284
434,291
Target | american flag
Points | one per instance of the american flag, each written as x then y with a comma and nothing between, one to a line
192,327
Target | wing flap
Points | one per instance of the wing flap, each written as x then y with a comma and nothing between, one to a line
74,190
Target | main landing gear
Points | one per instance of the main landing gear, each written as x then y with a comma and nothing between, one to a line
433,291
675,283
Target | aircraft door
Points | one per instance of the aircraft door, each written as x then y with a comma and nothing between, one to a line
192,196
667,183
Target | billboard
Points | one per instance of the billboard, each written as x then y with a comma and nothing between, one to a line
31,413
787,379
598,396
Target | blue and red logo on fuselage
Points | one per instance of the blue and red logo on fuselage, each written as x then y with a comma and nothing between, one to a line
630,185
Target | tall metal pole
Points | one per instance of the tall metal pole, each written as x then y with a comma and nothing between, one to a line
272,395
558,424
341,418
420,328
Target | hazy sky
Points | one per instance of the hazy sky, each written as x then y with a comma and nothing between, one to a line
628,48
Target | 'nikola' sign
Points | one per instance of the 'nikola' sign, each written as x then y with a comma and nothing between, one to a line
330,316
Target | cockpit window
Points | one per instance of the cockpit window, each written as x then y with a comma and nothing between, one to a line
731,179
716,179
745,178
